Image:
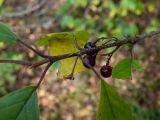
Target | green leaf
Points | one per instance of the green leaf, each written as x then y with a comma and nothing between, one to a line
65,8
80,3
132,29
63,43
67,21
136,65
136,6
6,35
55,66
123,69
112,106
128,4
20,105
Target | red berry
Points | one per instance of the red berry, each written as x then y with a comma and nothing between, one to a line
89,60
106,71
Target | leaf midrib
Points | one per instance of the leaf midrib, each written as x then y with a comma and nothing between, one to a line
25,103
110,105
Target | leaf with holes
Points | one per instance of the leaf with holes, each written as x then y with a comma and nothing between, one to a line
6,35
20,105
112,106
63,43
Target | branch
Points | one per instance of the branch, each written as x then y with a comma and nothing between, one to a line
25,63
51,59
43,74
141,37
25,12
34,50
130,40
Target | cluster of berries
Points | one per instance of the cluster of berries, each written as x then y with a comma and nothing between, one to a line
90,61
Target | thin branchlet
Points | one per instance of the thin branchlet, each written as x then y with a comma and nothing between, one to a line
24,63
51,59
43,74
32,49
130,40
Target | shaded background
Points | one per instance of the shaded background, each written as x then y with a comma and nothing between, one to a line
78,99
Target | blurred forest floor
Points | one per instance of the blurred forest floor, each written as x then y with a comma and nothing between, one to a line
78,99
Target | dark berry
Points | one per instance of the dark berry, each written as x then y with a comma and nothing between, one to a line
91,60
106,71
89,45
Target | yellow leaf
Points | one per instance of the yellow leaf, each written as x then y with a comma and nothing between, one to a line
151,7
116,31
94,8
63,43
112,13
124,12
